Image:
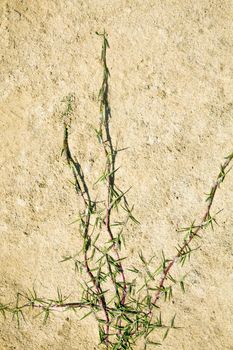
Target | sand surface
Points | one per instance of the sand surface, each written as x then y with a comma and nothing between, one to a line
171,97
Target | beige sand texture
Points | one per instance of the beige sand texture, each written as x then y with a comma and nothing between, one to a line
171,97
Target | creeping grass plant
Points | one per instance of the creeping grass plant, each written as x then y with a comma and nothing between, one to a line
125,310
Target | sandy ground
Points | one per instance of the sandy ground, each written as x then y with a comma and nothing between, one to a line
171,97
